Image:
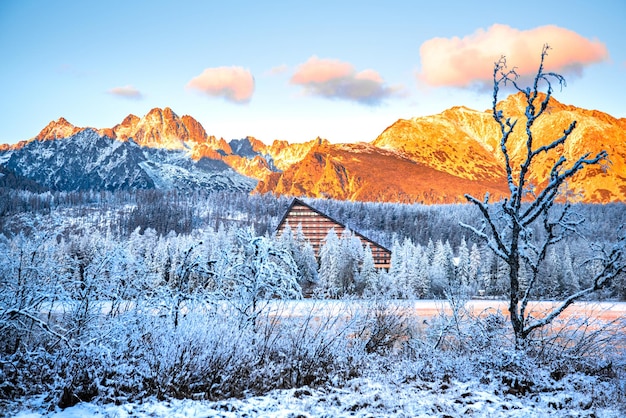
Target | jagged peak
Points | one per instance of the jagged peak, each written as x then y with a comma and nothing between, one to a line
195,129
130,119
160,115
461,109
59,128
155,110
516,103
160,127
170,113
188,117
63,121
248,146
59,122
256,143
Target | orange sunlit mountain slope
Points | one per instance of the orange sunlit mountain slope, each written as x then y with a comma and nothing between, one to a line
431,159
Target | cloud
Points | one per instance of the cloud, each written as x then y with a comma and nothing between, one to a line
334,79
280,69
126,92
234,84
462,62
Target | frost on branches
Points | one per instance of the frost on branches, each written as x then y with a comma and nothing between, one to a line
261,271
523,227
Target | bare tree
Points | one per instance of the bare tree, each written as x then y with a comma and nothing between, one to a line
522,227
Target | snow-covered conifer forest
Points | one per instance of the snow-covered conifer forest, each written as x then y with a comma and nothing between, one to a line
112,303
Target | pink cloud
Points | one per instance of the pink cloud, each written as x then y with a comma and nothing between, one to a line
127,92
369,75
461,62
317,70
280,69
336,79
231,83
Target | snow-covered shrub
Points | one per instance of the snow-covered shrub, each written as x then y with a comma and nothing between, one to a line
383,327
261,270
307,345
203,357
487,355
586,345
27,372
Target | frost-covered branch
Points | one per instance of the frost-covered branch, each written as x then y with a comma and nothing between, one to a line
506,125
548,195
557,142
509,234
614,264
499,247
11,313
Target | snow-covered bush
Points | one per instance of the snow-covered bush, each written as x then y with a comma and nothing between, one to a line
383,327
308,344
259,271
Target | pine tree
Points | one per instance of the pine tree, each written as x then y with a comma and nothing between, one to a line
351,251
463,264
399,271
367,274
330,254
474,268
421,283
303,255
442,270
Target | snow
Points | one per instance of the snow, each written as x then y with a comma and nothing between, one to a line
171,173
112,164
359,398
409,380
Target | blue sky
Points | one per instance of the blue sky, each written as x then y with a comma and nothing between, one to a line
343,71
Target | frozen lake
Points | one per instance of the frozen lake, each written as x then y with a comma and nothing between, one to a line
430,308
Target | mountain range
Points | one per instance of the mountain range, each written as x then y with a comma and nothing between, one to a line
431,159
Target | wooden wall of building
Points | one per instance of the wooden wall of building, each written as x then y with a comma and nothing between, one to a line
315,226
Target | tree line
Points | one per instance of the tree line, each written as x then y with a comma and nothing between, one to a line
430,249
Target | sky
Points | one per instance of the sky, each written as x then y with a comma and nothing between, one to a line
340,70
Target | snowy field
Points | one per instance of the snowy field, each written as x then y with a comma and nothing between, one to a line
395,393
360,398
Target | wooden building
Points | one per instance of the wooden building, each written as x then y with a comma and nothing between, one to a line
315,226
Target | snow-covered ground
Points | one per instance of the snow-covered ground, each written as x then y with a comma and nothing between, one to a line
360,398
395,393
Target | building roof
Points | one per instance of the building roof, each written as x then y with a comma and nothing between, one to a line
297,201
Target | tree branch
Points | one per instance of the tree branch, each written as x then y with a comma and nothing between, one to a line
502,250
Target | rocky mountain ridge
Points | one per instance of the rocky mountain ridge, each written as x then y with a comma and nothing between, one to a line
462,148
431,159
88,160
